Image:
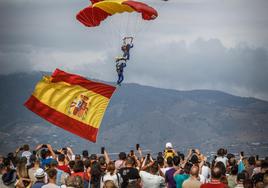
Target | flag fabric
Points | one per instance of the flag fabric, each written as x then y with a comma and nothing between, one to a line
71,102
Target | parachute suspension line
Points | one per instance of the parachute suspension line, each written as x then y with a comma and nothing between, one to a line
127,29
136,25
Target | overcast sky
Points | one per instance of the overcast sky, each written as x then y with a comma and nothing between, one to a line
193,44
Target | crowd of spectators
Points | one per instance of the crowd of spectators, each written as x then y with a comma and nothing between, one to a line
44,167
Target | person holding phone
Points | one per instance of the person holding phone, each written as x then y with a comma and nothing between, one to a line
130,174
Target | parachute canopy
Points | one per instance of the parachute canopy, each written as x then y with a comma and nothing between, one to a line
93,15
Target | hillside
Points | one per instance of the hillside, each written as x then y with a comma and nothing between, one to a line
140,114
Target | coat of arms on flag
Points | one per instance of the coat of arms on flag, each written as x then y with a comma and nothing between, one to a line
71,102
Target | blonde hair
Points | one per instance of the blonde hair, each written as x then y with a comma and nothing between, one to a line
109,184
22,170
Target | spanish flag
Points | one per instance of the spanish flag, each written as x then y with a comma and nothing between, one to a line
71,102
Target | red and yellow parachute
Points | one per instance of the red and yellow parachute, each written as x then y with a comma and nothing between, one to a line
93,15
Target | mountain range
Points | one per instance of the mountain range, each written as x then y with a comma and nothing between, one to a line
149,116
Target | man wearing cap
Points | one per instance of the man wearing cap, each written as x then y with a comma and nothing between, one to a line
40,178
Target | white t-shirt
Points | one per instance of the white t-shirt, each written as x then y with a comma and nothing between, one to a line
151,181
27,154
205,174
164,170
222,159
115,178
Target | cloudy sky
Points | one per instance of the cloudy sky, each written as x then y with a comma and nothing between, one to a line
193,44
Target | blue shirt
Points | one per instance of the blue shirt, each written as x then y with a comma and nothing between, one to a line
38,184
45,162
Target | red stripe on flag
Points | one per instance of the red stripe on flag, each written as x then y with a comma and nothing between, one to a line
61,120
73,79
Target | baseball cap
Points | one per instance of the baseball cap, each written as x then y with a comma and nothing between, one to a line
169,145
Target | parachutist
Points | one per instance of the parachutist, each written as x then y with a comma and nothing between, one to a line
126,47
120,65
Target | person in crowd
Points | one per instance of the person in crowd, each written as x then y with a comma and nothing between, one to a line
265,180
23,180
192,181
47,154
96,173
71,166
251,165
61,164
215,179
39,178
52,178
169,151
61,175
232,176
85,155
151,177
240,180
221,156
161,162
258,178
112,175
130,174
222,168
35,164
79,170
120,163
169,165
257,168
205,173
182,174
109,184
74,182
169,173
7,174
25,149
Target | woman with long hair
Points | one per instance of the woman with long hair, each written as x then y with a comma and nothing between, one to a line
112,175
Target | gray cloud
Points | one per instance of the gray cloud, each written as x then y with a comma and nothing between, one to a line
194,44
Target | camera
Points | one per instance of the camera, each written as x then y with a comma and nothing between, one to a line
102,150
148,156
64,151
137,146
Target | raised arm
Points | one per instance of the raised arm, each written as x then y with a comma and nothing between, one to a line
106,156
190,152
49,147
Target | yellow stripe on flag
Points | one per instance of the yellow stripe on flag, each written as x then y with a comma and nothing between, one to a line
72,100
